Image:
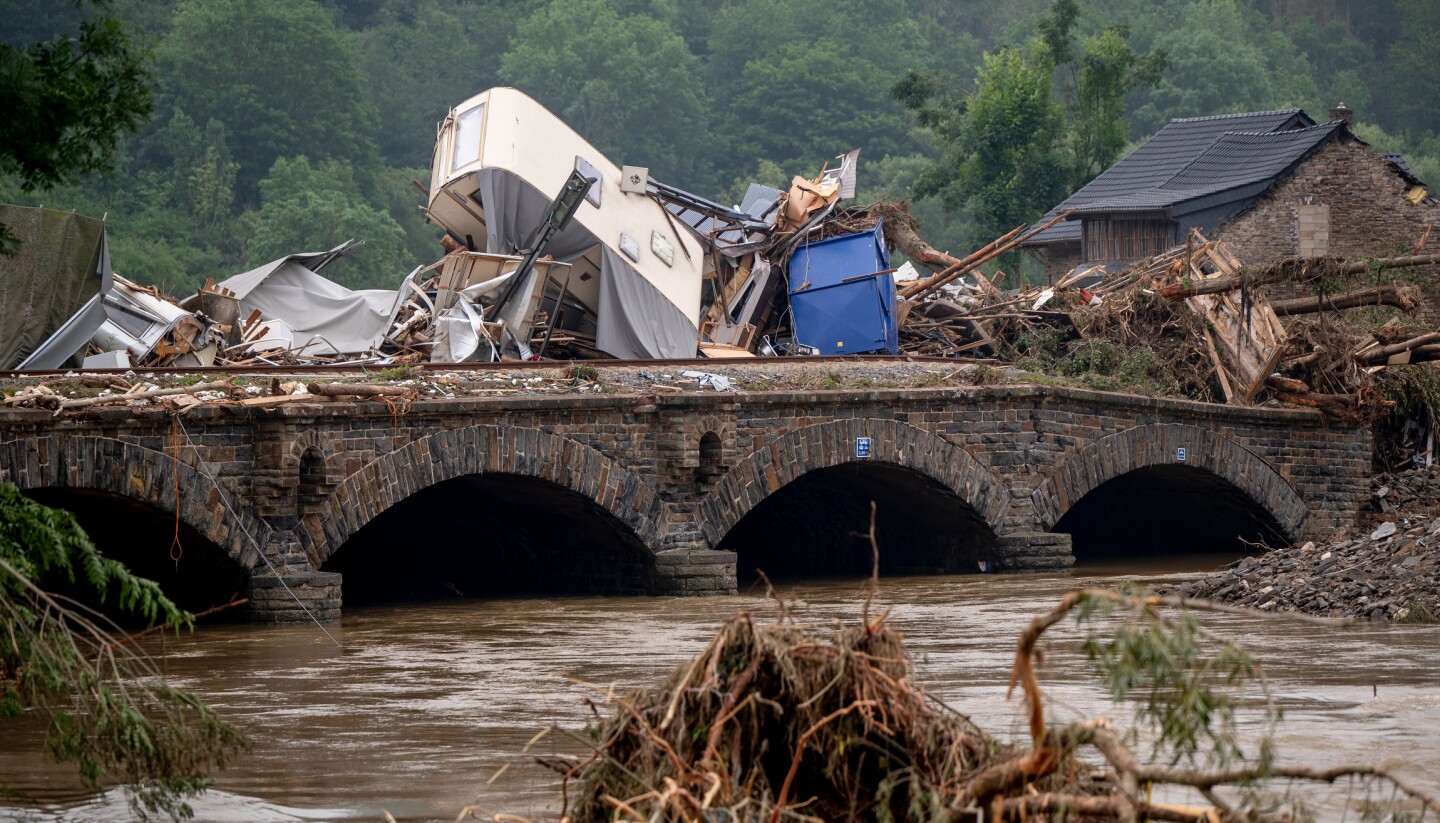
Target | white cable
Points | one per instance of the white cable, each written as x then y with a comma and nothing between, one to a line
225,501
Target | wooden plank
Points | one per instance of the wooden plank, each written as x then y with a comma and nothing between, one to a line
1219,366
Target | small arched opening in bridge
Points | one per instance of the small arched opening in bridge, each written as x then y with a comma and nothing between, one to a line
1168,513
144,538
490,534
712,459
313,485
818,525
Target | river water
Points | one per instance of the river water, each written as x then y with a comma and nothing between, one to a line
420,706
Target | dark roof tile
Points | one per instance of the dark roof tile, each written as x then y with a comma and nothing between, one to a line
1178,144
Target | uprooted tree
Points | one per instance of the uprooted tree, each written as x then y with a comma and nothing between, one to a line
784,720
105,706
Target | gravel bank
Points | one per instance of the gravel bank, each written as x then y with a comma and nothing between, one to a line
1388,572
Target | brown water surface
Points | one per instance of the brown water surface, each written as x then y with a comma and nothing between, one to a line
420,705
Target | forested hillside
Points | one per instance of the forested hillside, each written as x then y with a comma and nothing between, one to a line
291,125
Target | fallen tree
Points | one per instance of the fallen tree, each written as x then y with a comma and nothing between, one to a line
1295,270
1404,298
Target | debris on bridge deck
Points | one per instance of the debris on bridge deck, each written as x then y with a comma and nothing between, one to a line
558,253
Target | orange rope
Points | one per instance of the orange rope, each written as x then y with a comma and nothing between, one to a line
176,550
395,411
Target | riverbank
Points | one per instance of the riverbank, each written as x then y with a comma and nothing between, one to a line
1389,571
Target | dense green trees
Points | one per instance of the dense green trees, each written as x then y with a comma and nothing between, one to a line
627,83
317,207
280,75
69,97
710,95
1038,123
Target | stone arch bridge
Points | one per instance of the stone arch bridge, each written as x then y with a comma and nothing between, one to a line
681,493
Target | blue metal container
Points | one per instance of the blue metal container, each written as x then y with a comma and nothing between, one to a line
842,297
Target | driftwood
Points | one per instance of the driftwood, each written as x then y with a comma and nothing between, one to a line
959,267
957,270
356,389
1296,269
1384,353
81,402
1404,298
903,231
1296,392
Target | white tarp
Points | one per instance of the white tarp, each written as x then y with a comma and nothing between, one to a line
323,316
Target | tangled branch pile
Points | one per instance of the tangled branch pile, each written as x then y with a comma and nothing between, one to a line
794,721
775,719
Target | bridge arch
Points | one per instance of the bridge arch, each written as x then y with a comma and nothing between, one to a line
126,470
1170,455
959,493
126,497
481,450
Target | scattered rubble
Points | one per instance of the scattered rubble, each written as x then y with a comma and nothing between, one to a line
1390,571
406,384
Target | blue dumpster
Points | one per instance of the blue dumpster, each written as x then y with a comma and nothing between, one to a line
842,295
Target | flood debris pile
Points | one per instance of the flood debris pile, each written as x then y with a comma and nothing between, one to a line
1193,321
558,253
796,721
1392,573
780,716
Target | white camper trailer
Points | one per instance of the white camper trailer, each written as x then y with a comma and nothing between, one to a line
635,274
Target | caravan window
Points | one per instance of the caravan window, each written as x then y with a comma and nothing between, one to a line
467,137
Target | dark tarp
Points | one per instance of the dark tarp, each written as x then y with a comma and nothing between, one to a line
60,269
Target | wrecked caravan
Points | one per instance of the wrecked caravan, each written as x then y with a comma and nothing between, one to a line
633,286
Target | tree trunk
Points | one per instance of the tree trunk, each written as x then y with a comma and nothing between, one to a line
1401,297
1295,269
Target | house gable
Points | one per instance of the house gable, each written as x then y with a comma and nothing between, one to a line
1345,200
1145,169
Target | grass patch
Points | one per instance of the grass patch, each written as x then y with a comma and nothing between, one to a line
1415,612
395,373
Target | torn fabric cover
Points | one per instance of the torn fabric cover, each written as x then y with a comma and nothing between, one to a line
52,284
634,320
324,316
514,209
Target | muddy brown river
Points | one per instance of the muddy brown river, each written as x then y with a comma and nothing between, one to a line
421,705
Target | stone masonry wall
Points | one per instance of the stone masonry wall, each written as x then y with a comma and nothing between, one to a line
1019,454
1060,259
1367,209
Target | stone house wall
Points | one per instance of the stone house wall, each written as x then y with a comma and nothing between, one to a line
1363,198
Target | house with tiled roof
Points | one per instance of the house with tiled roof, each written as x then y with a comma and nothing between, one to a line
1271,184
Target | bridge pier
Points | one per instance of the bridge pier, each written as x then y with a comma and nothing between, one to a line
283,589
285,598
1032,552
694,572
